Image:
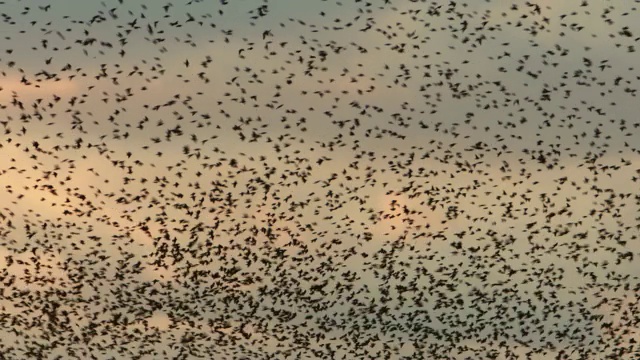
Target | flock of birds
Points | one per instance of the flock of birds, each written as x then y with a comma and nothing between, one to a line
355,179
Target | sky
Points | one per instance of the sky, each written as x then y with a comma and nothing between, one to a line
327,179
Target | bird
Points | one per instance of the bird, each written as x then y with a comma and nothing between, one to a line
351,180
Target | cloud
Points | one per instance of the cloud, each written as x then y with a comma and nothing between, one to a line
46,90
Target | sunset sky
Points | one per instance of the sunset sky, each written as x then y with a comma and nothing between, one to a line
444,178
